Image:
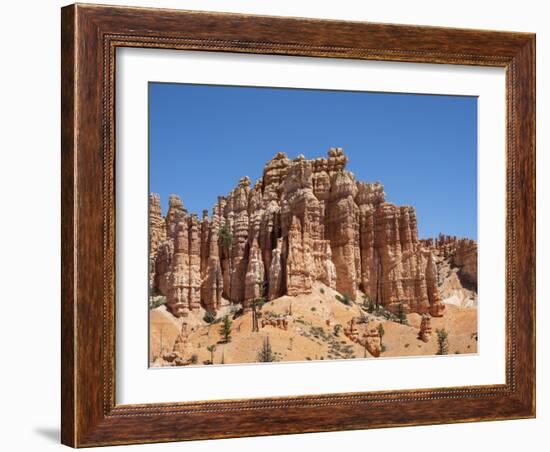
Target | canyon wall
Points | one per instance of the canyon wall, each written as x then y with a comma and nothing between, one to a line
303,221
460,253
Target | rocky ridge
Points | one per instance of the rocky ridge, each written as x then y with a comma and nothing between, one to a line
305,221
456,263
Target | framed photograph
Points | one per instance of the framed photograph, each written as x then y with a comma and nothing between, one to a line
281,225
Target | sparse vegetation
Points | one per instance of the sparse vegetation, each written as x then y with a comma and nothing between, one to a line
211,349
155,302
442,341
369,304
236,312
344,299
379,311
402,314
322,290
266,355
381,332
337,329
257,305
209,316
225,237
258,302
194,359
225,329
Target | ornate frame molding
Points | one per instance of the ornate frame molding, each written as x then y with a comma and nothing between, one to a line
90,36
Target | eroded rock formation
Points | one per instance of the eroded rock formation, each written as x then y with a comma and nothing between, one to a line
157,232
425,332
460,253
373,342
303,221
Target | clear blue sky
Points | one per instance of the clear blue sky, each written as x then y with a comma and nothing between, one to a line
423,148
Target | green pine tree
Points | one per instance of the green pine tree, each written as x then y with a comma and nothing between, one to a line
225,237
381,332
266,355
442,341
401,314
225,329
211,349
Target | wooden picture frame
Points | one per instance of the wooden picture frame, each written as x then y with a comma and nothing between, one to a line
90,36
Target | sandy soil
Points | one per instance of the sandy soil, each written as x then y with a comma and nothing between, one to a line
311,332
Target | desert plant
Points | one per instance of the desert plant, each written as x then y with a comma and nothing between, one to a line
194,359
211,349
209,316
256,306
322,290
225,329
155,302
266,355
442,341
381,311
225,237
369,304
236,312
258,302
344,299
337,329
402,314
381,332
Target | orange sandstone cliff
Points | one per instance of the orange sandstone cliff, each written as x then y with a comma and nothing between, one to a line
304,221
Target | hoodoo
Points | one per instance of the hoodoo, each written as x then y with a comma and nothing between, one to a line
304,221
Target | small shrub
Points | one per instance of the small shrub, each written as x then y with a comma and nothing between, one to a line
322,290
401,314
225,329
236,313
369,304
266,355
258,303
211,349
225,237
314,309
442,341
381,332
194,359
344,299
155,302
209,316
